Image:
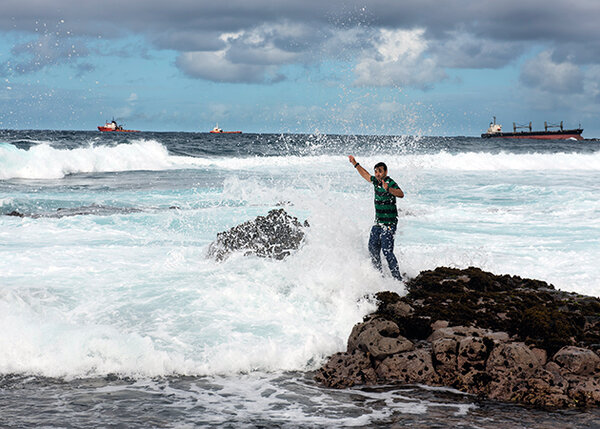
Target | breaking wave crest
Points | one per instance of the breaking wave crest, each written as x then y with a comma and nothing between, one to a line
44,161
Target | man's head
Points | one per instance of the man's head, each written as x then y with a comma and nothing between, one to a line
380,171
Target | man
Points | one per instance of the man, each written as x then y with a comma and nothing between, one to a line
386,216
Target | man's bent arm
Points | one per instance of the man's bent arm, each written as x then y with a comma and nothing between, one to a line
396,192
364,173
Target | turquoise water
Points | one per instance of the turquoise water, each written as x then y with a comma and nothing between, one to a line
106,274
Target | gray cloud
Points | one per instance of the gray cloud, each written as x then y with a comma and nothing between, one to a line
215,66
46,50
464,50
542,73
550,20
83,68
269,34
189,40
398,58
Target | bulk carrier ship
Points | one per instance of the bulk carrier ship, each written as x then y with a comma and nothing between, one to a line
495,131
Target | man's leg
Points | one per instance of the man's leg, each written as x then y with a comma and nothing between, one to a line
387,246
375,246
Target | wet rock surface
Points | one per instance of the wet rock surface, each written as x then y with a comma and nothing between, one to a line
275,235
500,337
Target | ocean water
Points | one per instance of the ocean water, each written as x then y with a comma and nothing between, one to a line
112,315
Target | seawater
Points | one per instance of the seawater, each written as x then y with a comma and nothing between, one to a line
112,315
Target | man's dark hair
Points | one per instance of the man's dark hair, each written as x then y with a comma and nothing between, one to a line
381,164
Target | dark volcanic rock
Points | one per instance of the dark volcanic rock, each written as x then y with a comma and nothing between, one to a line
502,337
346,370
413,366
531,310
275,235
379,338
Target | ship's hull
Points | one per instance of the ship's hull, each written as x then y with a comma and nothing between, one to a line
542,135
108,129
225,132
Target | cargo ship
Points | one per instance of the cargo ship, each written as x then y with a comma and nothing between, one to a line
495,131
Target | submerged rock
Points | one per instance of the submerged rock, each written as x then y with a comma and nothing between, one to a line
275,235
92,209
501,337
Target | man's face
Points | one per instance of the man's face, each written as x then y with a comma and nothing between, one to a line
380,173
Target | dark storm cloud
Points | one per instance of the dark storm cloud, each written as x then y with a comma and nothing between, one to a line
245,41
463,50
509,20
189,40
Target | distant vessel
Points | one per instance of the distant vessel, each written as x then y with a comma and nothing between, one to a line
217,130
113,126
495,131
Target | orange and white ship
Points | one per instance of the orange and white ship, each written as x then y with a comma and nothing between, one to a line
217,130
113,126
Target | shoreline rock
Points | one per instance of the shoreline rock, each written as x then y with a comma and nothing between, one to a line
499,337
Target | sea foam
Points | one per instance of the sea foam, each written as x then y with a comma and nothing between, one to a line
135,295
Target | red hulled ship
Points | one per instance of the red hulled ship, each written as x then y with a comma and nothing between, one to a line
217,130
495,131
113,126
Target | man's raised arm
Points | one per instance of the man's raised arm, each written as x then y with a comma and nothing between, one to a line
364,173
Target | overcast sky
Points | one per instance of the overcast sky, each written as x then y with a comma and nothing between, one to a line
442,67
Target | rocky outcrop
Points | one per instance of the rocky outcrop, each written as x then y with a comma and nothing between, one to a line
500,337
275,235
